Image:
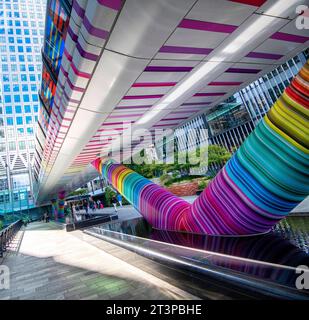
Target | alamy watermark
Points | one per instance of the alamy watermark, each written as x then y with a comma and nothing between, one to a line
4,277
126,144
302,281
302,21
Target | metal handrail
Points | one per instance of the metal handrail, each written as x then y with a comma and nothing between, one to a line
8,234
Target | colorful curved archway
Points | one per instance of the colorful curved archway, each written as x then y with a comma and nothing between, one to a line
265,179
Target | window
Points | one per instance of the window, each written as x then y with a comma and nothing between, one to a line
17,109
30,131
31,144
22,145
27,109
19,120
28,120
10,133
9,121
12,146
20,131
2,147
26,97
17,98
7,99
8,110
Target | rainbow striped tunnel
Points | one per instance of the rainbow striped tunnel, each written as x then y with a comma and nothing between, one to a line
264,180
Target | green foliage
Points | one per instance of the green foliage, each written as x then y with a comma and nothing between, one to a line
218,154
79,192
180,179
1,224
183,162
109,193
203,183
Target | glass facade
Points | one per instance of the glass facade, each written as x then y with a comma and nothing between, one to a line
230,122
21,36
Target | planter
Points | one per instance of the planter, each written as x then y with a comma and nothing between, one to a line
184,189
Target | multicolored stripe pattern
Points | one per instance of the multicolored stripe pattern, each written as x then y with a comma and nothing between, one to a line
264,180
61,197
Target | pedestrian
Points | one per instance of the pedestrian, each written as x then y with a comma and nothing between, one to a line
114,202
99,203
85,206
119,198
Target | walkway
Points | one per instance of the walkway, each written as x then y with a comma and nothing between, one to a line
53,264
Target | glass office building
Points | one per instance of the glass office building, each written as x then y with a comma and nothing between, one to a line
21,35
234,119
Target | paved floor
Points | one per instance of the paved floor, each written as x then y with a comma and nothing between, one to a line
53,264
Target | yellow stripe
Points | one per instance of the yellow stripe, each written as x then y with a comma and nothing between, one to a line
285,136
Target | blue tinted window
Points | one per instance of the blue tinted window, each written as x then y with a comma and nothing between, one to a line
17,109
22,67
20,130
11,48
15,87
31,67
27,109
20,49
26,97
24,88
28,120
7,99
8,110
19,120
17,98
23,77
32,77
9,121
35,98
27,40
35,108
21,58
30,131
6,88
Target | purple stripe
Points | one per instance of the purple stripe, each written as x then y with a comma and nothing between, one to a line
209,94
195,103
134,107
112,4
225,83
100,33
289,37
167,69
192,50
172,119
164,125
87,55
186,111
241,70
72,34
206,26
151,96
126,116
79,10
262,55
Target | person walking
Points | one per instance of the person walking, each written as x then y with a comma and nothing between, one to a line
85,205
114,202
99,204
119,198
